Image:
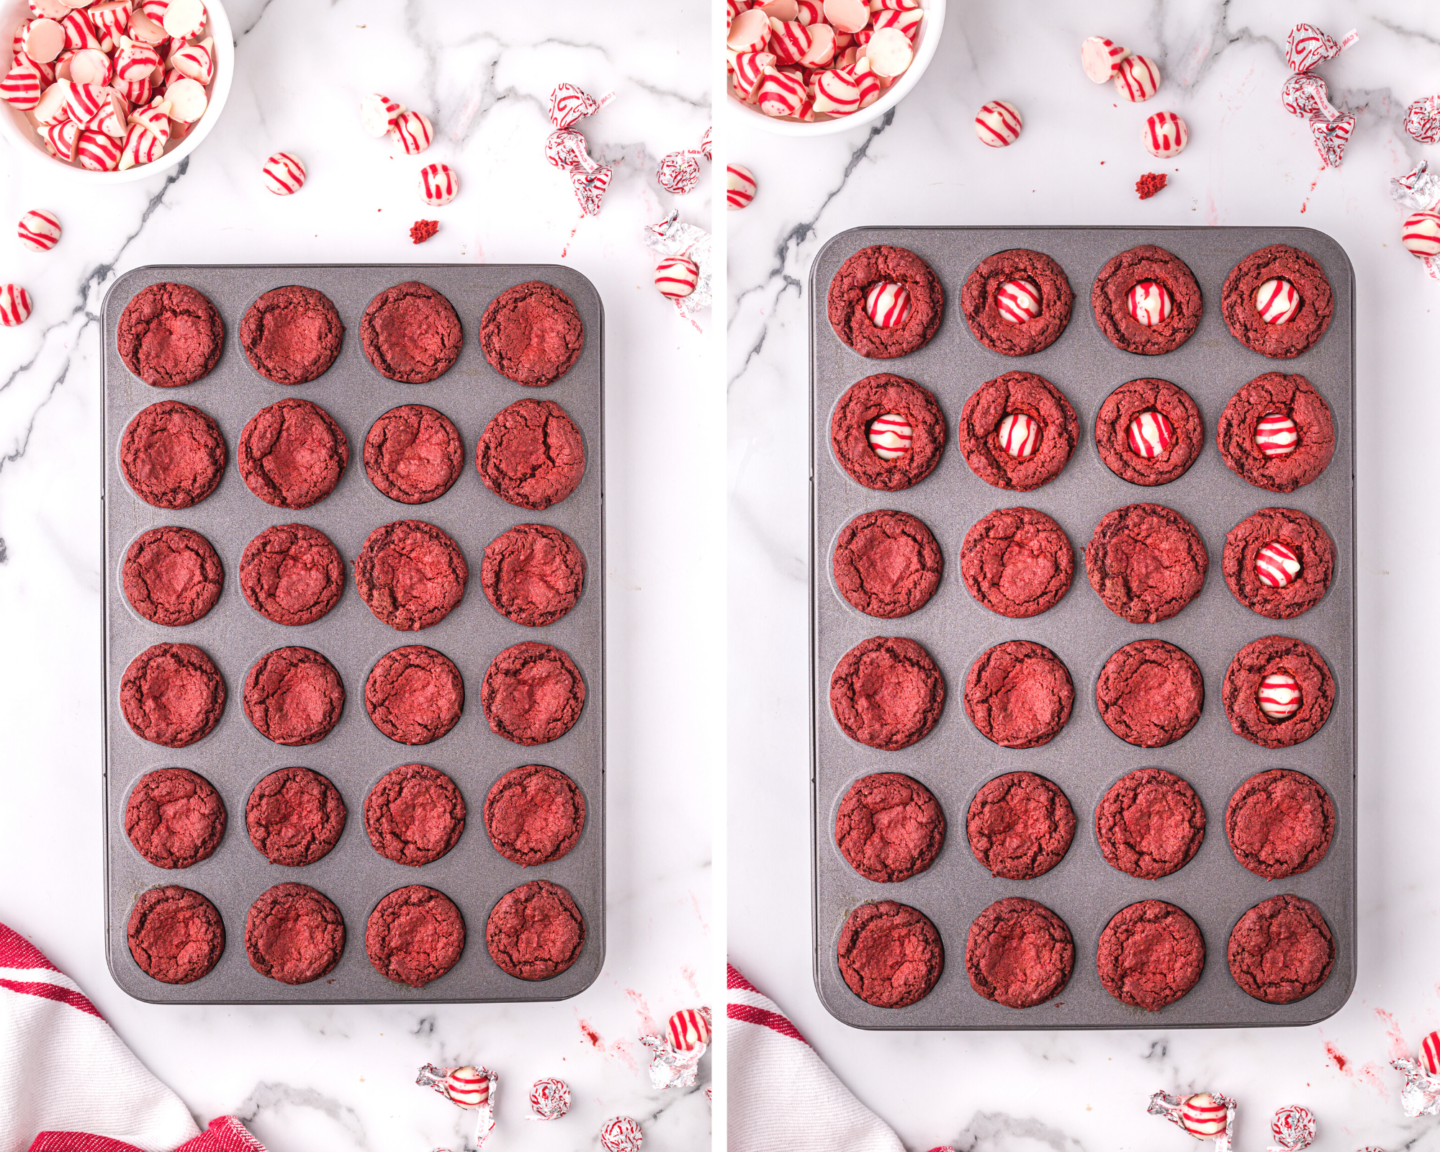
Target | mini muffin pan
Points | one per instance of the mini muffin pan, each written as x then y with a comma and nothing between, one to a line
234,756
1086,758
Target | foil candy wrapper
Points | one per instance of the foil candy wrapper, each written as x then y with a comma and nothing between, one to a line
680,171
1331,136
549,1099
438,1079
566,148
1307,46
1419,188
1306,95
1422,120
1172,1108
669,1068
1293,1128
1420,1095
671,238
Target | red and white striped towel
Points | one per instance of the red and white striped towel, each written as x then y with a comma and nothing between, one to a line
782,1097
69,1084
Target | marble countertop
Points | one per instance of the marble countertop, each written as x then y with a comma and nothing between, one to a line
1248,163
342,1077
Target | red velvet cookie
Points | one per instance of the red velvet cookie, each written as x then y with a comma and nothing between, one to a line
890,954
293,934
413,454
292,574
532,574
1146,562
1300,671
1297,334
291,335
535,931
534,815
1150,693
175,935
886,692
174,818
1019,694
889,827
414,815
1018,953
1280,823
294,817
1150,955
886,564
1291,419
1017,562
1278,562
172,576
901,404
414,694
293,696
878,264
532,333
1018,431
292,454
1281,950
1004,331
1150,824
172,694
170,335
531,454
1020,826
172,455
1149,432
532,693
1147,264
410,333
415,935
411,574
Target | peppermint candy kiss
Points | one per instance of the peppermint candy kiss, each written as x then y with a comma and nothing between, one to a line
676,277
889,436
1277,565
1202,1116
1430,1053
549,1099
39,231
1137,79
438,184
14,305
284,174
998,123
1277,301
1149,434
1275,435
1165,135
1421,234
739,186
887,304
412,131
1279,696
621,1134
1017,301
1149,303
378,113
689,1030
467,1087
1019,434
1293,1128
1099,57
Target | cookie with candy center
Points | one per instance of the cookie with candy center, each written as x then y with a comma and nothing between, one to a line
1146,300
1277,301
1279,562
1018,431
1017,302
1278,692
1276,432
1258,311
903,410
1149,432
865,308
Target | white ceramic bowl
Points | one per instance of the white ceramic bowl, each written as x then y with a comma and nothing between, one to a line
18,127
927,40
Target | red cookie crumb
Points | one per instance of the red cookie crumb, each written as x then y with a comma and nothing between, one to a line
422,230
1150,183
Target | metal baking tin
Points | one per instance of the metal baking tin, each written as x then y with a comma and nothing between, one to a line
234,757
954,760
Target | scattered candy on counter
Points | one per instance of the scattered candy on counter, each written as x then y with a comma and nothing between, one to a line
1420,188
1305,94
1331,136
1422,120
1150,183
1430,1053
621,1134
739,187
467,1087
1149,434
284,173
1137,79
412,131
1277,565
1101,57
1293,1126
379,113
1205,1115
998,123
675,1056
1307,46
1420,1095
39,231
566,148
669,239
438,184
1422,233
676,277
889,436
1279,696
680,171
422,230
549,1099
14,305
1019,435
1165,135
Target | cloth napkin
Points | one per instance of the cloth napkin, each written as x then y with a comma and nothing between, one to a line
782,1097
69,1084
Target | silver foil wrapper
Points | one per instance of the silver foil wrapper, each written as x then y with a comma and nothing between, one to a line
671,238
1418,188
1293,1129
436,1078
1172,1108
1420,1095
669,1068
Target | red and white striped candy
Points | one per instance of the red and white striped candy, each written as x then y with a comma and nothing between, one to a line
810,13
789,40
79,33
1277,564
1279,696
48,9
412,132
1293,1128
676,277
1277,301
111,116
111,20
749,70
739,187
1421,233
890,52
97,151
822,47
1422,120
1275,435
378,113
1307,46
140,147
689,1030
61,138
887,304
1019,435
186,98
195,61
283,173
154,118
867,80
836,94
1100,57
52,107
1149,303
621,1134
39,231
138,92
183,19
146,29
749,31
847,15
1430,1053
780,93
154,9
438,184
1330,137
906,20
1137,79
889,436
89,66
1149,434
1306,95
22,86
135,61
467,1087
42,40
998,123
1202,1116
1018,301
1165,135
14,305
82,101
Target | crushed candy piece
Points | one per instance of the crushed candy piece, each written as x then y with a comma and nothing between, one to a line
1150,183
422,230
